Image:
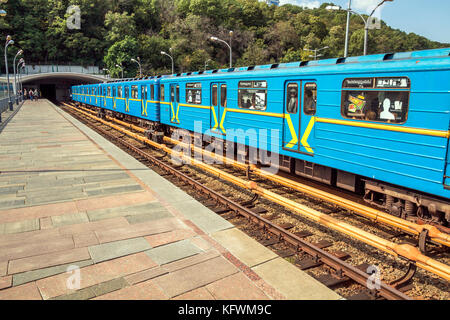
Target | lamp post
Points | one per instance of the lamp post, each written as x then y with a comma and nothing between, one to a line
315,52
138,61
9,41
22,67
206,63
15,78
366,28
171,58
121,68
16,82
228,45
366,23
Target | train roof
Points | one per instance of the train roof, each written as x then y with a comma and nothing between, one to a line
349,64
405,59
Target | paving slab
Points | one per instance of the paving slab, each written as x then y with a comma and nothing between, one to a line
236,287
173,251
145,275
195,276
20,226
139,230
68,219
95,274
23,292
246,249
112,250
145,217
292,282
197,294
34,275
124,211
48,260
147,290
5,282
26,248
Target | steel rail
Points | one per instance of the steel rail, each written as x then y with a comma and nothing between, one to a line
342,267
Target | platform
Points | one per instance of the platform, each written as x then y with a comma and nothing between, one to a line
81,219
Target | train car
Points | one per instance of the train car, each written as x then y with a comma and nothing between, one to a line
133,98
377,125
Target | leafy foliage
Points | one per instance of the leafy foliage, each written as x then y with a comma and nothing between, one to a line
115,31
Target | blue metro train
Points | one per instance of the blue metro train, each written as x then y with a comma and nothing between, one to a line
376,125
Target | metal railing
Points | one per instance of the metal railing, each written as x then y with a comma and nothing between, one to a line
46,68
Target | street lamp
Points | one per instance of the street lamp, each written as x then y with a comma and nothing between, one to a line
171,58
15,78
121,68
22,67
228,45
206,63
138,61
9,41
315,52
366,23
366,28
18,77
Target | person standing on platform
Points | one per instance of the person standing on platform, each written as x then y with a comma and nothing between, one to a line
25,94
31,94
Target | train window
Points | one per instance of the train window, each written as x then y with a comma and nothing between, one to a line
144,92
113,91
223,95
119,92
214,95
134,92
178,93
252,95
292,98
162,92
172,93
310,99
152,92
127,92
376,99
194,93
109,91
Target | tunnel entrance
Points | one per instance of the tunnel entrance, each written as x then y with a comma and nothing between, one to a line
48,91
56,86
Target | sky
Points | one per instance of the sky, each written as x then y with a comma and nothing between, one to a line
428,18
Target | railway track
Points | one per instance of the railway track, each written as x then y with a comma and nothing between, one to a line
249,213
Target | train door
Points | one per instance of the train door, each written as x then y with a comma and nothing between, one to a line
144,97
174,103
307,121
299,111
292,111
98,100
218,106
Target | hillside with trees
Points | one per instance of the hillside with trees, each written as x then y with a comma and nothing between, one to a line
114,31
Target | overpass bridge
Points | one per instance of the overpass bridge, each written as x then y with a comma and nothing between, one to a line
54,82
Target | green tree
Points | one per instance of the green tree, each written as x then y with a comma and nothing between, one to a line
120,25
121,53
